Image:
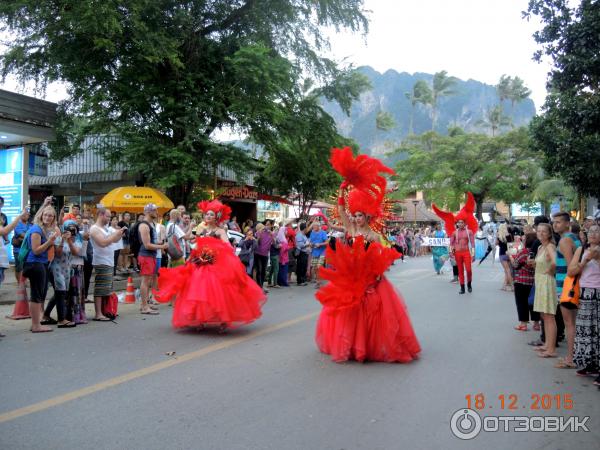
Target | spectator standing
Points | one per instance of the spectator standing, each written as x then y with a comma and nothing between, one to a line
587,330
302,251
545,301
274,252
117,246
524,279
569,242
318,242
147,256
103,259
43,234
503,240
21,229
265,239
248,246
173,229
60,268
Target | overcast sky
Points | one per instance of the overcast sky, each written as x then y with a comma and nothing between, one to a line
478,39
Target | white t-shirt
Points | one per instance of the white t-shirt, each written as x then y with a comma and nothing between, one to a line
117,245
103,256
160,237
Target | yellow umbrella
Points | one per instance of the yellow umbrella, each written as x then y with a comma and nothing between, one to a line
134,198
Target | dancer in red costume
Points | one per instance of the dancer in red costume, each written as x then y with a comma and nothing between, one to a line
363,317
212,288
461,228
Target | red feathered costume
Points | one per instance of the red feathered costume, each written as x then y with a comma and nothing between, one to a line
212,288
363,317
463,242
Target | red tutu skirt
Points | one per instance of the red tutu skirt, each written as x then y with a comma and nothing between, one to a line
212,288
363,318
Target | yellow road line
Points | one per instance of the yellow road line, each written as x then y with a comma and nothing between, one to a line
79,393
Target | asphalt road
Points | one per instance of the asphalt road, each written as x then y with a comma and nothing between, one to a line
266,386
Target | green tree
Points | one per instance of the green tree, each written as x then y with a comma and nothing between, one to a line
551,189
298,154
420,93
384,121
567,130
512,89
443,86
445,167
165,76
494,120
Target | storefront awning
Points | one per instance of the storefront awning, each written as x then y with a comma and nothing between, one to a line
98,177
274,198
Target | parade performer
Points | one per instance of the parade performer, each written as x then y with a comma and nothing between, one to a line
363,318
212,288
461,228
439,252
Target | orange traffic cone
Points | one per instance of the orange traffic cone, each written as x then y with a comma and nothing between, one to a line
21,309
130,293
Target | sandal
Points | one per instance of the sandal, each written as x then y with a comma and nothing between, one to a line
150,312
49,321
521,328
562,364
42,331
536,327
66,325
547,355
101,319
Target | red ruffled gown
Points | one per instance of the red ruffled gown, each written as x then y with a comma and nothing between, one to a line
363,318
212,288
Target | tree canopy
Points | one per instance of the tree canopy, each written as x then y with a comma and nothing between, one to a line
492,168
165,75
567,130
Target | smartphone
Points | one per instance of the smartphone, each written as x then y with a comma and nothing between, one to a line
66,209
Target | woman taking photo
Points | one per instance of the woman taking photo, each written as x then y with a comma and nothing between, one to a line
587,326
545,301
524,276
43,234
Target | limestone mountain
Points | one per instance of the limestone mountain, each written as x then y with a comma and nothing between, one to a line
467,108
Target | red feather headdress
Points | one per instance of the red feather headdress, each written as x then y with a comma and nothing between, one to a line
465,214
222,212
365,184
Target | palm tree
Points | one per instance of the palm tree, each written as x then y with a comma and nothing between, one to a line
504,87
384,121
494,119
518,93
442,87
512,89
421,93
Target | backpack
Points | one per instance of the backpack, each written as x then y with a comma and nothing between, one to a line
23,252
135,242
110,306
174,250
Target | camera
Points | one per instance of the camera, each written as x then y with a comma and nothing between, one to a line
66,209
73,230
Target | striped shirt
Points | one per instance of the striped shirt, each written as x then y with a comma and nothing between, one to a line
561,262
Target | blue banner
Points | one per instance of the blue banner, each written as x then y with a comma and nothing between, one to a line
11,185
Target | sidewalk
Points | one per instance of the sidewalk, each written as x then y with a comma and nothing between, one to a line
8,290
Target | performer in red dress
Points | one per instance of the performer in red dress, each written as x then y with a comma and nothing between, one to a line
461,228
363,317
212,288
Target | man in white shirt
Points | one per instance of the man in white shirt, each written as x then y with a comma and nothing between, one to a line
103,260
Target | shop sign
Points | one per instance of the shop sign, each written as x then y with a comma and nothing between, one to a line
241,192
